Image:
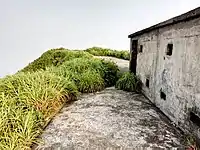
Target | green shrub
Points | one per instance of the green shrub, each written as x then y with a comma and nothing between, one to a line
129,82
97,51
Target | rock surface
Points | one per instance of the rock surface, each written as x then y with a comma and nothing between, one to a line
110,119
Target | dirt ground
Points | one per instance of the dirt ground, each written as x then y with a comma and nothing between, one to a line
110,119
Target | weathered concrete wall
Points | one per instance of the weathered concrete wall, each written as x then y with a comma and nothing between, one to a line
146,61
178,75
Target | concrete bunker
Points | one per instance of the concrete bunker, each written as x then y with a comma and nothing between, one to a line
178,39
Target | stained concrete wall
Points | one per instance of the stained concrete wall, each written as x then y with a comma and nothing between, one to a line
178,76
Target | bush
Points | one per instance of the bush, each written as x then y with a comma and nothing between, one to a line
129,82
97,51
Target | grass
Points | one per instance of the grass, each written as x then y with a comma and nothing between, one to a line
191,142
28,102
129,82
30,98
89,75
55,57
107,70
97,51
89,81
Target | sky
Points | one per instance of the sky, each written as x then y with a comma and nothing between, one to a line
30,27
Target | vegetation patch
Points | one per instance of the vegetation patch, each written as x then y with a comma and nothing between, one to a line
30,98
129,82
55,57
89,81
28,102
97,51
96,73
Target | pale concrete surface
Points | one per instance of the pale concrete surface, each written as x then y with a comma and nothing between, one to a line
110,119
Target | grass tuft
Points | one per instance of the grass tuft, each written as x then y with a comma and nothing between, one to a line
129,82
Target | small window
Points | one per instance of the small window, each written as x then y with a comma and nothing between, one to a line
162,95
169,49
195,119
141,49
147,83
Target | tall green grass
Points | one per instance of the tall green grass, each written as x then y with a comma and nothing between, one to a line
55,57
27,103
89,75
129,82
30,98
97,51
20,124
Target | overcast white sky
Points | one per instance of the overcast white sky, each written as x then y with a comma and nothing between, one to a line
30,27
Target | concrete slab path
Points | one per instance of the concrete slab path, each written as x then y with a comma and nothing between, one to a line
110,119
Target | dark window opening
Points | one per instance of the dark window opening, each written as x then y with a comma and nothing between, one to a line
195,119
141,49
147,83
162,95
169,49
